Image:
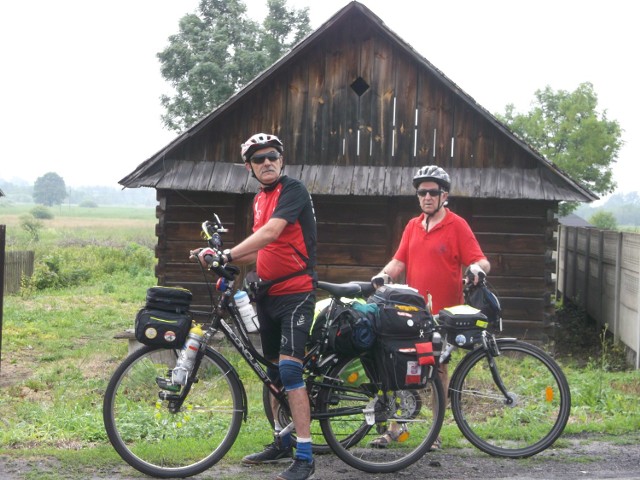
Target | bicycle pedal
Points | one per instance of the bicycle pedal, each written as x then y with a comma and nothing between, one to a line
166,384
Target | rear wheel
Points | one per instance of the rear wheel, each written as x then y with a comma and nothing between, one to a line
532,415
354,413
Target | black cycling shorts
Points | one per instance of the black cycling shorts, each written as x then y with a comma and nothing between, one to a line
285,321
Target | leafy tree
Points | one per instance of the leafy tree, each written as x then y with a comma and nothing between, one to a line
568,130
604,220
219,50
49,189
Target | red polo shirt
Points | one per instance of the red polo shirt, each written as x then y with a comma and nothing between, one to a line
434,259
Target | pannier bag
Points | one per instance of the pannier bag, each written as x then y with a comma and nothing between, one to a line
404,364
350,333
404,355
170,299
402,312
161,328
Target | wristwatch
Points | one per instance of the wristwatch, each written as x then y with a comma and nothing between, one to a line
227,254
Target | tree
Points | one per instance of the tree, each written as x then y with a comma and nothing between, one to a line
604,220
49,189
219,50
567,129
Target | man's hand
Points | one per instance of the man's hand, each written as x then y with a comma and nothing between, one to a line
207,257
477,273
380,280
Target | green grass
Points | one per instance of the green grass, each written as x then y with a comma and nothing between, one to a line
58,350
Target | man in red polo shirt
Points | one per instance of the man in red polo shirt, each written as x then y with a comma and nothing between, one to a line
434,249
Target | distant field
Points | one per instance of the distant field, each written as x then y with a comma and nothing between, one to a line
95,225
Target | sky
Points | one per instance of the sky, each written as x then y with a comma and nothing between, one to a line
80,85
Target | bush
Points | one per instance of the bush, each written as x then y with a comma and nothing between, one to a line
88,204
41,212
32,226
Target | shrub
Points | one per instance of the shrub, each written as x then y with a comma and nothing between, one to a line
88,204
32,226
41,212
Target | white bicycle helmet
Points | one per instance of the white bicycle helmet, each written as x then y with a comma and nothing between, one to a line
258,141
432,173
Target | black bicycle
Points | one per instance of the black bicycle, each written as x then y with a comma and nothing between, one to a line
509,398
168,430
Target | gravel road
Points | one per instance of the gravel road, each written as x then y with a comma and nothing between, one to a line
583,457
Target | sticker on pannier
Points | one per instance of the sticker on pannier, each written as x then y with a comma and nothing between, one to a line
160,328
170,299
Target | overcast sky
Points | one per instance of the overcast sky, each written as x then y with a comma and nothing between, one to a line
80,80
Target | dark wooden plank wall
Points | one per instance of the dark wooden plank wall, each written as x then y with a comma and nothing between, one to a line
408,117
358,235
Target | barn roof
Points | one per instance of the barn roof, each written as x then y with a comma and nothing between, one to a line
544,182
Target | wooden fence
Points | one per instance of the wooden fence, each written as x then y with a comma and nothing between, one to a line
600,271
17,264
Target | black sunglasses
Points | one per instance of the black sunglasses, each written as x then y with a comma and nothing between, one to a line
261,157
433,192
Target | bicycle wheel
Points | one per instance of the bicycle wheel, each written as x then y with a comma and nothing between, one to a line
162,444
414,415
539,400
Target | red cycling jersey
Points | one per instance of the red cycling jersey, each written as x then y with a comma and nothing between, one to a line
295,249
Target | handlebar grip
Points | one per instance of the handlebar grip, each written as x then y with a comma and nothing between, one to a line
208,259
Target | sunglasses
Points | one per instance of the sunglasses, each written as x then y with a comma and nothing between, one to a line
433,192
261,157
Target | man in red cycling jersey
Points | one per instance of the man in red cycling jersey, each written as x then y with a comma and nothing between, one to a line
283,244
435,247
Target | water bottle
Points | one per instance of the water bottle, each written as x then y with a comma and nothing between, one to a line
249,317
187,357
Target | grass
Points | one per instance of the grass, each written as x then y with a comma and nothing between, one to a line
58,350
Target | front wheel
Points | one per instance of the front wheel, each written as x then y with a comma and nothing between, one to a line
157,442
353,413
529,418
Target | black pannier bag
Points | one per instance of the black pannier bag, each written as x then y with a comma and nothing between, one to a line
170,299
161,328
404,355
402,312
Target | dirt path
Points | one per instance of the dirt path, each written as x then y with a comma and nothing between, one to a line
585,457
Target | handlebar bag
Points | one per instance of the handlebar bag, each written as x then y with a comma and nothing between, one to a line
161,328
170,299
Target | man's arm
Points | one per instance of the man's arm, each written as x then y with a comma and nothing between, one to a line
394,269
247,250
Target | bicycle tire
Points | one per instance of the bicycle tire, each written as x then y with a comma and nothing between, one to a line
392,408
535,383
162,444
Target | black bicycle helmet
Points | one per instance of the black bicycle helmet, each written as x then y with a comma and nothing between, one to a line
432,173
258,141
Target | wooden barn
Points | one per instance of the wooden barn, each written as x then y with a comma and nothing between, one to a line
359,111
